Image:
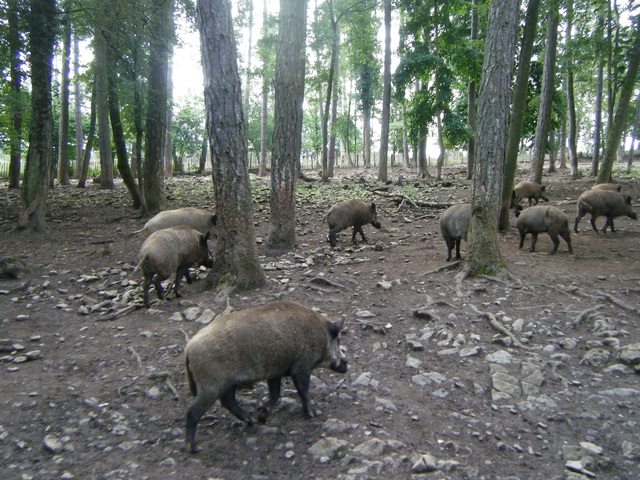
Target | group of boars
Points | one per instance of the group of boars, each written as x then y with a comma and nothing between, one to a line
285,339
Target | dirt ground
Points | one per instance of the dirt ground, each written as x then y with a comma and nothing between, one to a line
493,379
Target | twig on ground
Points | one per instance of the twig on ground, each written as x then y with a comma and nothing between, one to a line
135,354
444,268
118,313
584,314
497,326
617,302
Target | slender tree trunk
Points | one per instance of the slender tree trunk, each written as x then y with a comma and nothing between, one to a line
386,94
15,86
366,137
84,166
472,97
236,260
518,107
405,139
634,134
483,255
597,121
287,134
63,137
247,79
102,109
334,112
157,95
42,21
423,171
77,94
615,130
571,102
544,114
563,145
168,143
327,109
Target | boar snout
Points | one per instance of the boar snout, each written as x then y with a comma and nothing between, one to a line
341,366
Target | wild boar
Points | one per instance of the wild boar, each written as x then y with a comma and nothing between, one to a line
454,226
538,219
173,249
603,203
354,213
198,219
612,187
280,339
530,190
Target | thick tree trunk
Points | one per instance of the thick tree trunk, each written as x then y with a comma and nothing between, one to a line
614,135
42,21
63,137
366,137
597,120
168,142
287,134
634,134
334,113
15,87
544,114
236,260
483,255
386,94
102,110
77,94
91,134
472,98
518,107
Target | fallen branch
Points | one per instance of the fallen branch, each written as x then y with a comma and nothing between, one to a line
118,313
327,283
444,268
617,302
497,326
584,314
135,354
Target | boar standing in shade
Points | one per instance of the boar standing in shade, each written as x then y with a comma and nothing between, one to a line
172,250
603,203
354,213
454,225
539,219
611,187
200,220
280,339
530,190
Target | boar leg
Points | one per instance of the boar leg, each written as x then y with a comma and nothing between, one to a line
578,218
356,229
195,411
567,238
593,223
449,243
522,236
332,237
274,396
556,242
181,272
609,223
457,242
228,401
534,239
301,381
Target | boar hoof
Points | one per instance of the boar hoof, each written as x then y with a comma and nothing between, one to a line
263,413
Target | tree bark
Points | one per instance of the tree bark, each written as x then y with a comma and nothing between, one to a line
287,135
84,167
102,110
15,86
386,94
634,134
77,94
42,22
472,97
63,137
168,142
517,110
483,255
236,260
546,97
614,134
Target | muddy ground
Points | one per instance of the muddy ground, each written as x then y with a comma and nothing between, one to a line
495,379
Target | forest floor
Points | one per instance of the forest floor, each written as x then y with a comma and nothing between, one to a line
523,379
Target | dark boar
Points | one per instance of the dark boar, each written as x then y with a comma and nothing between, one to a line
612,187
198,219
603,203
276,340
535,220
171,250
530,190
454,225
354,213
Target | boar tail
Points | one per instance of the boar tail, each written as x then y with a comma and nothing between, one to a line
135,233
191,382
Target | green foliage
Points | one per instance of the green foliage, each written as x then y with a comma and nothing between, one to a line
188,128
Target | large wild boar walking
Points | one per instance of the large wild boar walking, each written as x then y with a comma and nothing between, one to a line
603,203
454,225
539,219
354,213
172,250
198,219
266,343
531,190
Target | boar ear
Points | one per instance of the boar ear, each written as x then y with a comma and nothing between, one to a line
334,328
373,207
204,238
542,188
214,220
627,200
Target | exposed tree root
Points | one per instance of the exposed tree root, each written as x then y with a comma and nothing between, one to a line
497,326
584,314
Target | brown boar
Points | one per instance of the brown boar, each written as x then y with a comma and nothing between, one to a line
198,219
603,203
170,250
612,187
530,190
539,219
354,213
280,339
454,226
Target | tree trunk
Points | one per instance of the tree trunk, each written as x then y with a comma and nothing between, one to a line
615,130
571,102
366,137
327,109
471,97
483,255
203,155
423,171
15,86
42,25
517,110
159,49
405,138
63,137
386,94
84,166
334,112
77,94
236,260
287,134
597,121
634,134
168,142
544,114
102,110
